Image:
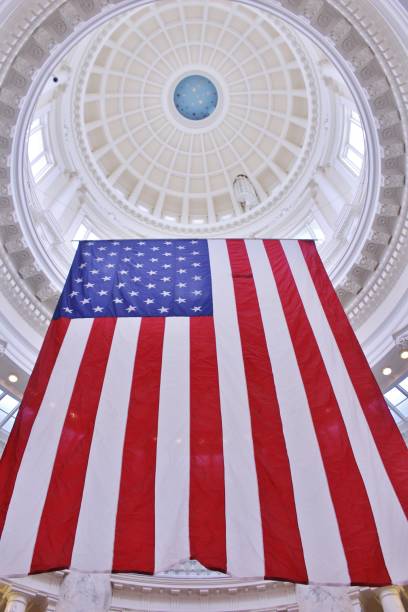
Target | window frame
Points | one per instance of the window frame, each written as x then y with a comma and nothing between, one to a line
351,117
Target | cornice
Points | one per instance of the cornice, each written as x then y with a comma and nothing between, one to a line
344,28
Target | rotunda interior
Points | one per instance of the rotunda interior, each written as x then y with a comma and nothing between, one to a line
215,118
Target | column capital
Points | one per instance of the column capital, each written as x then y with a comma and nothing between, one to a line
385,591
390,599
16,601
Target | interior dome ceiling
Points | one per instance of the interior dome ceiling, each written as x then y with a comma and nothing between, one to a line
113,154
177,168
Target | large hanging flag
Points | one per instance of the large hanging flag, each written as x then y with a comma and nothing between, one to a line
204,399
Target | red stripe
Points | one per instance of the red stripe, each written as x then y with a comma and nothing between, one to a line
351,504
282,543
387,437
134,537
56,533
207,497
30,405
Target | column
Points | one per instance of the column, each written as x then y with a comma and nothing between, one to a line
82,592
16,602
390,599
323,599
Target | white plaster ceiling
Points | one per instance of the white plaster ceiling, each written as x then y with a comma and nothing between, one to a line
175,168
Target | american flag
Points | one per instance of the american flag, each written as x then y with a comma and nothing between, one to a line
204,399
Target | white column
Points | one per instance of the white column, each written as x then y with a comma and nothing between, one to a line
81,592
16,602
323,599
390,599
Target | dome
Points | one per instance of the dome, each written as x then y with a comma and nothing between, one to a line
264,158
141,125
305,136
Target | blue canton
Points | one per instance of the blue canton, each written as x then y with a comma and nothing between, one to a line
138,278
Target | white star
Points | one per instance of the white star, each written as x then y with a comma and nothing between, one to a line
136,279
83,265
151,286
152,272
73,293
141,243
195,253
131,308
163,309
139,254
99,259
123,272
165,293
197,292
196,265
138,265
133,293
79,280
168,242
94,271
115,243
193,241
180,300
110,265
69,310
120,285
87,253
181,259
182,271
126,259
196,308
102,292
112,254
155,248
101,248
97,309
152,259
85,301
106,278
167,254
180,248
166,266
127,249
89,285
148,301
181,285
196,278
118,301
166,279
91,243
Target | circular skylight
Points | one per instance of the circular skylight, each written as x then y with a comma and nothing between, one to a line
195,97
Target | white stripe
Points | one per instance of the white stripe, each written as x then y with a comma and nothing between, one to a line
245,554
95,534
388,514
322,546
172,485
31,486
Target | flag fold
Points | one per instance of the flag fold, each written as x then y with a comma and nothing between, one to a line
204,399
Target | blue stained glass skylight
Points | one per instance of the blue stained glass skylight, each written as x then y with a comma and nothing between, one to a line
195,97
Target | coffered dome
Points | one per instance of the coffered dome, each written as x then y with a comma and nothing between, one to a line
173,161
